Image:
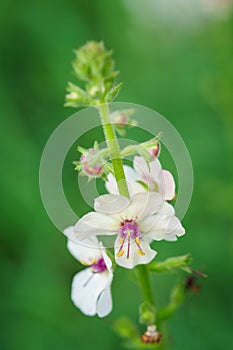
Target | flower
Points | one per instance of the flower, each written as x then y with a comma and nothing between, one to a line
92,170
90,290
136,222
145,177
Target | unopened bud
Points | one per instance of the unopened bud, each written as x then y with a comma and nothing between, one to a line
120,119
72,96
155,150
93,170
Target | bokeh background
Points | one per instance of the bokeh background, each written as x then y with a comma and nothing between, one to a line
175,57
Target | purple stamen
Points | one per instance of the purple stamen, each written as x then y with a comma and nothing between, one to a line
129,230
128,250
99,266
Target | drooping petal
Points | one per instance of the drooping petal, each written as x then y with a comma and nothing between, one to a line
143,204
166,185
104,303
132,255
110,204
86,250
93,224
86,289
107,260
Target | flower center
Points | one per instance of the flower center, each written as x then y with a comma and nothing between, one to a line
98,266
129,231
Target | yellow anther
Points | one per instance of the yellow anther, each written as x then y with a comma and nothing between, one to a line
137,240
85,263
129,234
93,261
120,253
140,252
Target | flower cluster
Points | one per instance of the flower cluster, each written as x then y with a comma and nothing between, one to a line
135,222
136,211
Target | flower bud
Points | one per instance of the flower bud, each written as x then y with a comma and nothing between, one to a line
155,150
89,168
120,119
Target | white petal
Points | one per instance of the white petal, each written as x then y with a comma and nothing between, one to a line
86,289
130,174
104,303
111,184
110,204
167,210
155,170
166,185
85,251
163,228
141,166
95,224
131,179
134,257
143,204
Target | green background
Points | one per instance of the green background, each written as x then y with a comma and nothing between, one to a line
182,69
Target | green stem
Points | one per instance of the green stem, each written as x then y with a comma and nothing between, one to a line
114,148
144,281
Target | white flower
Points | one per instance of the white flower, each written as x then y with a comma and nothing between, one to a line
90,290
136,222
152,175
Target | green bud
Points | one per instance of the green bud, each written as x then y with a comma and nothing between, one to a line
177,262
146,313
76,96
113,93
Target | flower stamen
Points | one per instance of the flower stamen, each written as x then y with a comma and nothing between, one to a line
139,251
121,251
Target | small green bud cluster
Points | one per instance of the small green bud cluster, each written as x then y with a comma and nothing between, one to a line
95,67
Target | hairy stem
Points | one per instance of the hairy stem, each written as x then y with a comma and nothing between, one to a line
114,148
143,277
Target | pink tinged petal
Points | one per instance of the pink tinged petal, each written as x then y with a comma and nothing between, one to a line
110,204
143,204
104,303
85,251
131,257
86,289
95,224
167,185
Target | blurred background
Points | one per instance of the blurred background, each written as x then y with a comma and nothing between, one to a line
174,57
